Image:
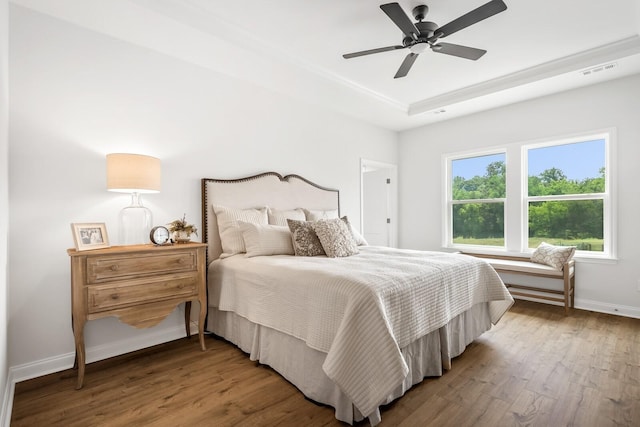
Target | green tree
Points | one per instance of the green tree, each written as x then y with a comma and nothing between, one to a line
480,220
561,219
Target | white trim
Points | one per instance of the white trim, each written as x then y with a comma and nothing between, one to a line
392,199
601,307
598,55
590,305
465,201
609,250
448,202
518,242
611,183
64,361
445,230
7,401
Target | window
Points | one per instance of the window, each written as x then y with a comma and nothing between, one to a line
557,191
478,194
566,192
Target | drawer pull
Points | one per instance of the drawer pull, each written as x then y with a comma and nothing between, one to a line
180,261
114,267
114,296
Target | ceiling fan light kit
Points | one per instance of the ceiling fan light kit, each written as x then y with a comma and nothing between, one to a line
418,47
420,36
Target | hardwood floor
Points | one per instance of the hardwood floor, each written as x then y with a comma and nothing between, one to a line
535,368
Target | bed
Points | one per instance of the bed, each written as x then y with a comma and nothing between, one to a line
354,330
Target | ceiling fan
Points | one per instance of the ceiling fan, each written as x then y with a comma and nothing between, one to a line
424,34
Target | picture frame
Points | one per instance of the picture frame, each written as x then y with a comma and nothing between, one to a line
90,235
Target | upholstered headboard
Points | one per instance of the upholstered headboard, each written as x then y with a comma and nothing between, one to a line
267,189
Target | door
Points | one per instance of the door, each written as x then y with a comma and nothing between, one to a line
379,195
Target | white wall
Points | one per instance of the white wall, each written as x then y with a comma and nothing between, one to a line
611,287
76,95
6,389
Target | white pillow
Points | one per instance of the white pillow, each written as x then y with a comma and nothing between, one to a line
229,229
280,217
360,240
314,215
261,239
554,256
335,237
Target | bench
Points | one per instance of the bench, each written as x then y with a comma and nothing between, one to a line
523,266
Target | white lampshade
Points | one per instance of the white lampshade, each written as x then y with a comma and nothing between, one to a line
133,173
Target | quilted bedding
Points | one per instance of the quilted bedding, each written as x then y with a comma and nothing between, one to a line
359,310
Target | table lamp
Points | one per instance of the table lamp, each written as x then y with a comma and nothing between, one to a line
135,174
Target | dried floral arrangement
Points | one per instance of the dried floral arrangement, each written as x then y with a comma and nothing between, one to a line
181,225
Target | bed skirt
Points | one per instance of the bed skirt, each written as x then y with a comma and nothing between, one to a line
302,365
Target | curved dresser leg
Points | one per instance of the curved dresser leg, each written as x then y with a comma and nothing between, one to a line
78,334
201,320
187,318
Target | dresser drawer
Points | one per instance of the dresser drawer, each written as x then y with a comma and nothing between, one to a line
126,293
106,268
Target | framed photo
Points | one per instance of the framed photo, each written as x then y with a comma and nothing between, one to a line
89,236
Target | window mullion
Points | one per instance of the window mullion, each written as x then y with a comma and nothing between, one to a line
591,196
461,202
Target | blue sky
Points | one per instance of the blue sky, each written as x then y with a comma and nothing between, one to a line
578,161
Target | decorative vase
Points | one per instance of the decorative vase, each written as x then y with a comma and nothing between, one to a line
181,236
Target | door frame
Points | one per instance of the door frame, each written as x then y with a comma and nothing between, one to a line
367,165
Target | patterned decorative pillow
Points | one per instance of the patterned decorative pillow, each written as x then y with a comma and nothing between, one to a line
229,229
280,217
335,237
314,215
554,256
304,238
261,239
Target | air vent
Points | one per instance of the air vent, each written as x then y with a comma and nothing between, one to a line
599,69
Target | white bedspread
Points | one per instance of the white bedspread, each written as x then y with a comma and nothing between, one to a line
360,310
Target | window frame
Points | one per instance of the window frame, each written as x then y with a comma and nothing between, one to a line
449,202
607,222
516,202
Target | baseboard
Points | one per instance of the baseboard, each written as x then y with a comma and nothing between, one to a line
61,362
7,401
601,307
597,306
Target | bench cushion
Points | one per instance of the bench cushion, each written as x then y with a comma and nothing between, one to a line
524,266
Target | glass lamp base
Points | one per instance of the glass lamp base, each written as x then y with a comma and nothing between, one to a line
135,223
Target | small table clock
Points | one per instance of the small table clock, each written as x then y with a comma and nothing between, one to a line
159,235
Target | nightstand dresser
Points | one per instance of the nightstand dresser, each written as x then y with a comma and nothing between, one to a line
139,284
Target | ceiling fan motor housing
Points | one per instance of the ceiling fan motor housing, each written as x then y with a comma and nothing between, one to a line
427,29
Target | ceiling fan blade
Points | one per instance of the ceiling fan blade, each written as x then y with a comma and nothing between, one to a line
397,15
406,65
370,51
458,50
483,12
